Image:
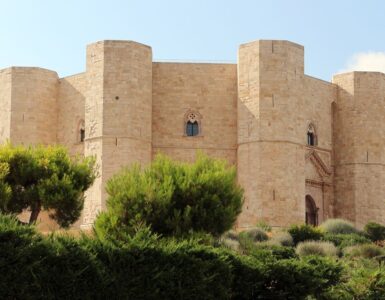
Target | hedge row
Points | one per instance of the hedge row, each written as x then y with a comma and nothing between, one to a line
59,267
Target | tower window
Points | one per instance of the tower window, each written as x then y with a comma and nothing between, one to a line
192,128
82,135
311,136
81,132
192,123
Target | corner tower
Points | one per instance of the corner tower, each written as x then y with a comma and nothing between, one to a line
359,129
271,150
117,113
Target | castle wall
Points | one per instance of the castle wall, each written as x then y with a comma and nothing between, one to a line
255,114
34,106
118,112
359,128
207,89
71,111
5,104
276,104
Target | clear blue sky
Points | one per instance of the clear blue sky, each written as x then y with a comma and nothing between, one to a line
53,34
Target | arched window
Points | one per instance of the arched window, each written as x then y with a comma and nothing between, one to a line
192,124
192,128
81,132
311,136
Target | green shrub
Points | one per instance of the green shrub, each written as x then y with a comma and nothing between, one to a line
255,234
231,234
264,226
320,248
230,244
304,232
299,279
375,231
274,251
364,251
362,283
338,226
282,279
173,198
345,240
283,238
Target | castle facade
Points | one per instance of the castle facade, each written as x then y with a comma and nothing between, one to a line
305,149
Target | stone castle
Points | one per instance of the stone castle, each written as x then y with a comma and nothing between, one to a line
305,149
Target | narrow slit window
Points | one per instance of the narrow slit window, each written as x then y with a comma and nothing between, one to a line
311,136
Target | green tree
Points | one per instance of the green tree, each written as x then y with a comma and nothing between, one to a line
5,189
173,198
45,178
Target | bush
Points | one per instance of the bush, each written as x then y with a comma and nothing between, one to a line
255,234
282,279
231,234
345,240
365,251
362,282
272,251
146,267
375,231
283,238
338,226
264,226
174,199
230,244
304,232
316,248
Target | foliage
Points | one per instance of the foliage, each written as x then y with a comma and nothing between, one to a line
254,234
5,189
45,178
147,267
264,226
266,250
304,232
345,240
283,238
338,226
363,281
172,198
365,251
320,248
231,234
375,231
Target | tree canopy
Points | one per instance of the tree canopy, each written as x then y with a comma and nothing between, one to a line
46,178
173,198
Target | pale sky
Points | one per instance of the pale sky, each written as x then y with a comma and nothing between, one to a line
339,35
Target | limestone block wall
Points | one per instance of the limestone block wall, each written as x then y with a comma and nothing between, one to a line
208,90
34,106
71,112
276,104
5,104
118,112
359,124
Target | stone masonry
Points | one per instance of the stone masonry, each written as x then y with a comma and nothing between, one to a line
305,149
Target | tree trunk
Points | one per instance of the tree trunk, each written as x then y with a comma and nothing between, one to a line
34,213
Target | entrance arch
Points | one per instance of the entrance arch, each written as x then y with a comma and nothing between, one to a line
311,211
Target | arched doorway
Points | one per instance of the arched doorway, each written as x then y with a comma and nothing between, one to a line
311,211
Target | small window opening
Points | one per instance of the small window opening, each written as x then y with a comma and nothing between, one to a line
192,128
311,136
81,132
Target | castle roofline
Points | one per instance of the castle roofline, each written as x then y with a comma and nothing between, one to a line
27,68
278,41
119,42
